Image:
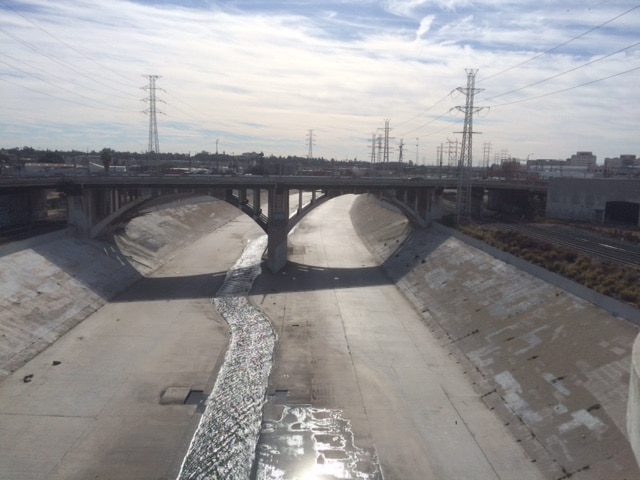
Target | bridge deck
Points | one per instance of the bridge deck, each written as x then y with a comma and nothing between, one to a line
264,182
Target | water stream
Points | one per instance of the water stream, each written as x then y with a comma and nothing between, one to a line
299,441
224,443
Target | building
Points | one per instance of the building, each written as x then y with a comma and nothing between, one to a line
622,161
582,159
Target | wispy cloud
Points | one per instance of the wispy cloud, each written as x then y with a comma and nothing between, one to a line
259,75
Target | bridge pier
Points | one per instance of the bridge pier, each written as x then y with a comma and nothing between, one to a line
428,204
420,205
257,209
277,230
242,196
87,208
477,197
91,208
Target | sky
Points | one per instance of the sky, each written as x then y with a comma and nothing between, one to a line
549,78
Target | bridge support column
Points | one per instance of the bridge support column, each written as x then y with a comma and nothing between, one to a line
257,209
242,196
427,202
477,196
88,208
422,204
277,244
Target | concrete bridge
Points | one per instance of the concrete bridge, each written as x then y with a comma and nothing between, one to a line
95,202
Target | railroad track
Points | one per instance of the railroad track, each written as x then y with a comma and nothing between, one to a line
589,243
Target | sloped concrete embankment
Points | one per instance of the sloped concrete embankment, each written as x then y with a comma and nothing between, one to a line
553,366
49,284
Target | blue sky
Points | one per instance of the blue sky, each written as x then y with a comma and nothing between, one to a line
554,77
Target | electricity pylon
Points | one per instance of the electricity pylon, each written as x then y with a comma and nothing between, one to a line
486,154
465,162
373,148
385,152
154,146
310,143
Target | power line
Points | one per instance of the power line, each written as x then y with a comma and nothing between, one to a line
71,47
424,111
59,62
565,72
110,107
534,83
567,89
64,99
560,45
404,134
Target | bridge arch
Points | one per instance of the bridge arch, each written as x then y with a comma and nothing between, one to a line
93,208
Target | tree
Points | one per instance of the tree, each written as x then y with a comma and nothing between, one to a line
511,169
52,157
105,156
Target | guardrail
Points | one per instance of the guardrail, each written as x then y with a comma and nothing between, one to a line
251,181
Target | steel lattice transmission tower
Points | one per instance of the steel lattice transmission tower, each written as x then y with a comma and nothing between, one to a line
373,148
463,198
154,147
387,129
310,142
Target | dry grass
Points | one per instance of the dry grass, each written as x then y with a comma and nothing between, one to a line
617,281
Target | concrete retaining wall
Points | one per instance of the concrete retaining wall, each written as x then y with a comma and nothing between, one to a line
633,404
581,199
50,283
611,305
543,353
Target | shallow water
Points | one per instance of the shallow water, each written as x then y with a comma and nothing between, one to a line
310,443
302,442
224,444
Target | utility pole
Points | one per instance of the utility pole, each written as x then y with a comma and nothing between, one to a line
417,145
310,143
154,147
465,163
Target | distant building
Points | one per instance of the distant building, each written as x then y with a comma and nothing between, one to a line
624,165
622,161
543,162
582,159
